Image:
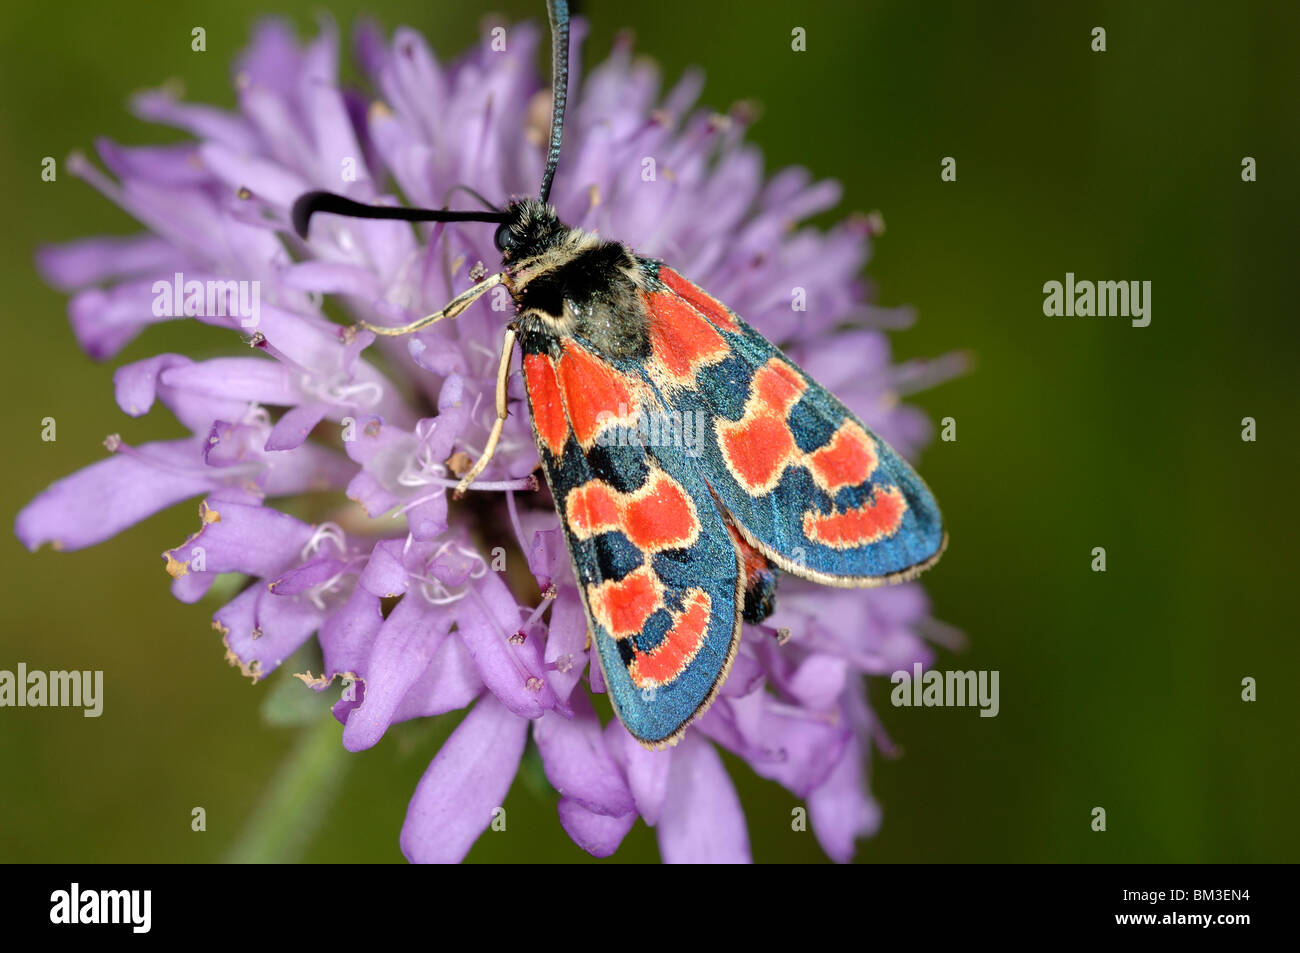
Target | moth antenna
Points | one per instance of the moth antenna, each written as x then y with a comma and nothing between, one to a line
558,10
310,203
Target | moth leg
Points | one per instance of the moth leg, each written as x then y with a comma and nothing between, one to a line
453,308
503,378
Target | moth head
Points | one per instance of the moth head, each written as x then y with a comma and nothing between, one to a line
530,228
526,227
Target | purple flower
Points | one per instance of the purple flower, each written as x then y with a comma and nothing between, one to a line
402,586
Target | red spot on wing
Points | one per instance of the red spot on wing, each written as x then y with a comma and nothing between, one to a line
593,508
622,606
758,451
778,385
860,526
670,658
548,407
848,460
658,516
594,393
760,445
704,303
680,339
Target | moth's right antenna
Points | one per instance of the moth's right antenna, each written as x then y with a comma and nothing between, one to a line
559,14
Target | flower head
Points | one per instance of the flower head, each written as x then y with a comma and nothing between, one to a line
401,585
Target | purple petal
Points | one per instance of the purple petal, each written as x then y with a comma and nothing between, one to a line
444,358
268,180
746,676
577,762
331,131
841,809
197,412
89,261
566,641
453,414
272,58
333,278
349,632
646,771
597,834
106,320
546,554
514,673
192,586
449,683
188,217
244,378
349,701
238,537
467,780
403,649
309,468
428,520
798,750
175,165
814,680
99,501
205,122
385,574
292,429
375,498
856,354
380,446
702,822
136,385
455,566
261,631
273,119
308,576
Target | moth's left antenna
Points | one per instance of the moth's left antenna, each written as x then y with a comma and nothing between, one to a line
558,11
313,202
310,203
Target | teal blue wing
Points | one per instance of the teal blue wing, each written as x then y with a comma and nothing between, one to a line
657,570
805,481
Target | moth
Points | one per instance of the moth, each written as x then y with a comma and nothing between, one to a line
672,548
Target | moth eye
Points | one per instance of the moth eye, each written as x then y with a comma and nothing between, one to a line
504,238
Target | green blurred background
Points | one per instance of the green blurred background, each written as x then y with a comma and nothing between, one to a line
1119,690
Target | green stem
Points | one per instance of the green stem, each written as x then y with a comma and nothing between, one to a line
297,799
